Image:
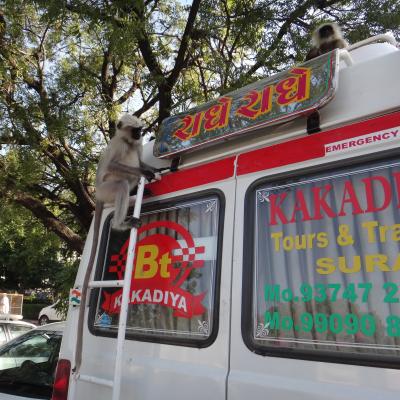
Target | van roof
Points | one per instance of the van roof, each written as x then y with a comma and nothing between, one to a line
364,91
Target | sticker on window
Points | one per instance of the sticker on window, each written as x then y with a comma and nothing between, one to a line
327,262
173,282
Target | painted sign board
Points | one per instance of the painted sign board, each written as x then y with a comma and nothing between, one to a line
154,281
284,96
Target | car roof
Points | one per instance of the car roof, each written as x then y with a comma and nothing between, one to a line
51,305
56,327
11,317
12,322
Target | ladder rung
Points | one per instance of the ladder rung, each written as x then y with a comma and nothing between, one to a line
102,284
94,379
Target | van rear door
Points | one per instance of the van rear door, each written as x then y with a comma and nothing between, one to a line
316,305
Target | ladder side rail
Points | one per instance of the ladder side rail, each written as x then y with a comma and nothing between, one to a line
383,37
123,315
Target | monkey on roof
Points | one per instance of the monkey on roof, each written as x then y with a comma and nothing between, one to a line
326,37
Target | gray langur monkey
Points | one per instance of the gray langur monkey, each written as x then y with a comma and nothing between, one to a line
120,168
326,37
118,172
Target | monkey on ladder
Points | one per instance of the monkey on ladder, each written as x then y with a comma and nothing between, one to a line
118,172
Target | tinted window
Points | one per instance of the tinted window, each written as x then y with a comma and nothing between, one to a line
174,283
27,365
324,251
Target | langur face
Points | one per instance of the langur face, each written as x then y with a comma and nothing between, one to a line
130,127
326,31
136,133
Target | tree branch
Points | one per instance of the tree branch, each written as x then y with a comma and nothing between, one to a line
104,75
147,105
49,220
262,55
127,94
180,58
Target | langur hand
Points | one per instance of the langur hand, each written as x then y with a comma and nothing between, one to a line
149,175
153,176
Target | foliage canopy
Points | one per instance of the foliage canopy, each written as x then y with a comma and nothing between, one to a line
68,68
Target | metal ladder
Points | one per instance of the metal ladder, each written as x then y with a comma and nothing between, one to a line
115,384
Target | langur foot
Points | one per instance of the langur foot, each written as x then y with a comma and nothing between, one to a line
128,224
134,222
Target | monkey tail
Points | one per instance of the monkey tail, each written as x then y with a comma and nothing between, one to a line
121,205
79,334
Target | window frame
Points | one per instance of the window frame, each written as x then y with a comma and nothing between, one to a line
154,338
380,361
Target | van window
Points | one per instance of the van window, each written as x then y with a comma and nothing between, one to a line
173,293
324,251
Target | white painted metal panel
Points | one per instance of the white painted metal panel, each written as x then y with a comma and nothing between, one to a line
278,378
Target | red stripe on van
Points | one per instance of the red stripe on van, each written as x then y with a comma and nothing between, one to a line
309,147
191,177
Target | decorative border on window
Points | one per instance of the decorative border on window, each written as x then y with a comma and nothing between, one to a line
203,326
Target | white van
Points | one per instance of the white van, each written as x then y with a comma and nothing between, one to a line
267,266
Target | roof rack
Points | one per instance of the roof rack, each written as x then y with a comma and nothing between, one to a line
384,37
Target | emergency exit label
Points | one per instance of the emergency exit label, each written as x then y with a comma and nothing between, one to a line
371,139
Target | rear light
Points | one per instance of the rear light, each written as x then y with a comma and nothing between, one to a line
61,381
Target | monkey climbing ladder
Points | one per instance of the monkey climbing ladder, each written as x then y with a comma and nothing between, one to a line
115,384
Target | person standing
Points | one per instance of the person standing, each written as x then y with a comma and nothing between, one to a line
4,304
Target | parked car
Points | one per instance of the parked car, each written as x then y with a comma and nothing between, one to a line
49,314
28,363
10,329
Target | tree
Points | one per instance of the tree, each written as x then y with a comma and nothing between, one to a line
69,67
30,256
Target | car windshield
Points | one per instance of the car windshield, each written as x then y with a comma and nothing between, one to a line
27,365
